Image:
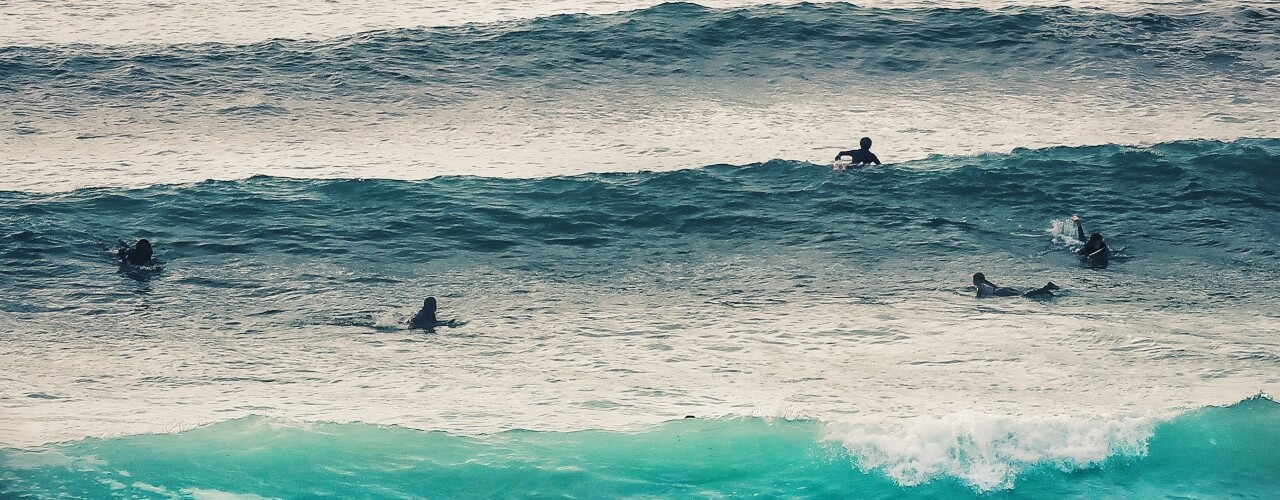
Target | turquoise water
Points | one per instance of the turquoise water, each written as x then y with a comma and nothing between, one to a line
628,212
1205,453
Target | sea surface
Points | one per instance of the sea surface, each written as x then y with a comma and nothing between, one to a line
659,288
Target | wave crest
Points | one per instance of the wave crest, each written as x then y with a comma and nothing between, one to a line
988,452
954,456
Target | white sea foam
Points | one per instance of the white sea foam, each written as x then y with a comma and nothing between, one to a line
211,494
1063,232
988,452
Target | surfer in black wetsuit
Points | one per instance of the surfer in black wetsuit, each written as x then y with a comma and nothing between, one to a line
1094,247
989,289
862,156
426,317
138,255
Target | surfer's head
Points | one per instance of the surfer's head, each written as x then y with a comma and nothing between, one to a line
429,305
142,251
865,143
979,279
1095,239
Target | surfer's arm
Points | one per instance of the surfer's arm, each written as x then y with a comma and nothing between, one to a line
1079,229
844,153
122,253
874,158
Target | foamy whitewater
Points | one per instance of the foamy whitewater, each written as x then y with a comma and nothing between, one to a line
629,210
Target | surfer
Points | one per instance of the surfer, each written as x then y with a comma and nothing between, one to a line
862,156
1094,246
989,289
138,255
426,317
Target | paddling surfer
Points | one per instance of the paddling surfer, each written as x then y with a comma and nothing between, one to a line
989,289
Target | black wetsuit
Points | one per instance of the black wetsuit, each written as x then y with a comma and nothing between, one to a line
860,156
424,319
136,256
989,289
1091,249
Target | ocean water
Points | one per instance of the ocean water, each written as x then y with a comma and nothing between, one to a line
628,210
671,86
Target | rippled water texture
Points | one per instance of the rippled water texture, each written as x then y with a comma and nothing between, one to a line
668,87
614,300
135,22
628,212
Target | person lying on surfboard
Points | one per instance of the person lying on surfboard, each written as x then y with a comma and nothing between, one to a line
989,289
862,156
1094,246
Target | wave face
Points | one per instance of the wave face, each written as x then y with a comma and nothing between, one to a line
132,22
636,90
683,40
1205,453
1207,205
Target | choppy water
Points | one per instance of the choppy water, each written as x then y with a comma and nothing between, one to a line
631,215
667,87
